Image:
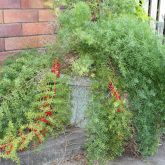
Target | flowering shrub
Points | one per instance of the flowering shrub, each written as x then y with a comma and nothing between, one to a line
108,122
127,58
126,46
42,100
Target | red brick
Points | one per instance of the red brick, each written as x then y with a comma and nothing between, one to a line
11,16
2,44
6,4
1,16
46,15
37,28
16,43
10,30
26,4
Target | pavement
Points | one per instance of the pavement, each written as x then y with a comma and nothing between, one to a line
158,159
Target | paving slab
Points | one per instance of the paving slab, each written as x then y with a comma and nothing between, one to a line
158,159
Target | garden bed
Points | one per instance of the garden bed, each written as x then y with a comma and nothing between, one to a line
112,44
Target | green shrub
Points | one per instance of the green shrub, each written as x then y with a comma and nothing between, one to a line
129,48
31,105
139,58
15,96
109,121
82,66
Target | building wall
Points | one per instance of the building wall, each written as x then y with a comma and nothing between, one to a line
24,24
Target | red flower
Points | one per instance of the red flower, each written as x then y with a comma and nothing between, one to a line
56,68
43,120
43,132
118,97
111,87
48,113
7,152
45,97
2,147
118,110
53,70
114,92
35,130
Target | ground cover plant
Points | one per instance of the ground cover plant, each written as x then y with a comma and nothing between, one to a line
33,102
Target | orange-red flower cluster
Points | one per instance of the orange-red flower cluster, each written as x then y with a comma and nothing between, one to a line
114,93
56,68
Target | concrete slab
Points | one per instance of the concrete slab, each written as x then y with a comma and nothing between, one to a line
158,159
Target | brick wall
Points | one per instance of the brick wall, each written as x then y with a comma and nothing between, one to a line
24,24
